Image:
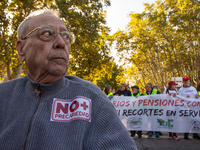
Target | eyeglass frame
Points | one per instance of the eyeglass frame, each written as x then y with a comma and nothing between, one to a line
74,37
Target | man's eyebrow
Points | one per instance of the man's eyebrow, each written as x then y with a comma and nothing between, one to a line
62,28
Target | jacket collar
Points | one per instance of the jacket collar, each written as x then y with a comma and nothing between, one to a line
45,89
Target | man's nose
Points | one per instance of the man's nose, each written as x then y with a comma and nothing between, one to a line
59,43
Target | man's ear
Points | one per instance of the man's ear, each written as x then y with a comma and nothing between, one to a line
20,49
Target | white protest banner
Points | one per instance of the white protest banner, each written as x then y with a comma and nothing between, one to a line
159,113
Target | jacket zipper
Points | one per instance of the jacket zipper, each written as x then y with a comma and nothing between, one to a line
38,93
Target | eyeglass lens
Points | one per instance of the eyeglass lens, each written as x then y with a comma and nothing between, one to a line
48,33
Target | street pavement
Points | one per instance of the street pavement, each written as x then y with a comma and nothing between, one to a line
164,144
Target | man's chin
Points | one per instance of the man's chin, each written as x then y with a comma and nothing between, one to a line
58,71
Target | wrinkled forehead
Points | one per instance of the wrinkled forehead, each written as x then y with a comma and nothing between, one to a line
46,20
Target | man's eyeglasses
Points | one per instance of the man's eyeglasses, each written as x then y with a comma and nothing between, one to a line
48,33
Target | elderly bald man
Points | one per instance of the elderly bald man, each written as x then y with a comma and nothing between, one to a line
50,110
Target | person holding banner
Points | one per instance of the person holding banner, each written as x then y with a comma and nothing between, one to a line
189,91
136,93
108,90
151,91
123,91
171,90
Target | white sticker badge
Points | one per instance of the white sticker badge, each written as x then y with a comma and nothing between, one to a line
68,110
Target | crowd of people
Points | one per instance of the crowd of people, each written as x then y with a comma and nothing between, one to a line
186,90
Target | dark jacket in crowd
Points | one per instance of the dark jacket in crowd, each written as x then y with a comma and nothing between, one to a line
125,92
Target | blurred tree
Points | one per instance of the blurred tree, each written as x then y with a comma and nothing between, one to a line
86,19
163,42
112,75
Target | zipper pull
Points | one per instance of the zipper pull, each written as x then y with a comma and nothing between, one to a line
38,90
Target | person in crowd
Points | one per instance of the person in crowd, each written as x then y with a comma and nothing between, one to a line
188,91
171,90
151,91
123,91
198,88
155,87
108,90
136,93
49,110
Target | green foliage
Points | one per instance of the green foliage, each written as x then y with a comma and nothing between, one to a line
89,58
86,20
164,40
113,75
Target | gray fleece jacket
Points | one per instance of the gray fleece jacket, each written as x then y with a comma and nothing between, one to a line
69,114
